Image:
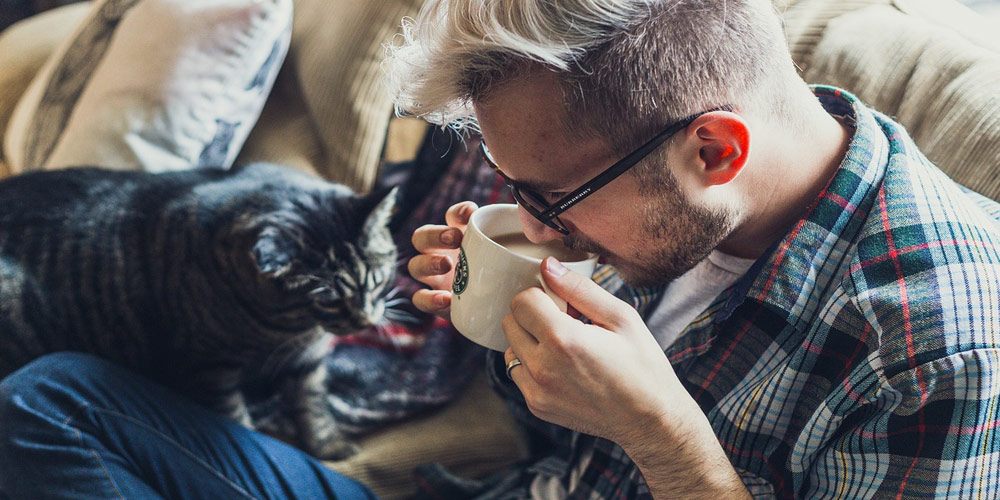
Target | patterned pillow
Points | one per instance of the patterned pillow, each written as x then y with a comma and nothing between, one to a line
152,84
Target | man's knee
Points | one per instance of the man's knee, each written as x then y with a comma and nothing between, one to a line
55,365
36,383
35,403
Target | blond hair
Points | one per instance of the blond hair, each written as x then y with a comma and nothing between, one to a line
626,67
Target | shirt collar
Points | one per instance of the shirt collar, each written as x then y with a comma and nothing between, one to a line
800,265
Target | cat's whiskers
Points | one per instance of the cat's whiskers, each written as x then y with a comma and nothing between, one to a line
401,316
393,292
394,302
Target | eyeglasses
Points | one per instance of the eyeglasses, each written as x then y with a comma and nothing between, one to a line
548,214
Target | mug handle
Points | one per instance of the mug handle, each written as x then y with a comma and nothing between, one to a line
560,303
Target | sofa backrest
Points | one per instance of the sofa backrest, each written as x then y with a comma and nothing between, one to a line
931,64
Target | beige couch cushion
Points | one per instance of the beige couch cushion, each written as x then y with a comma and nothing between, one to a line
927,63
284,133
472,436
805,22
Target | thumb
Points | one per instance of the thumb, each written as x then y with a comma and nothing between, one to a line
587,297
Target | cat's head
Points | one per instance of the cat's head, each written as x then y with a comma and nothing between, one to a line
330,258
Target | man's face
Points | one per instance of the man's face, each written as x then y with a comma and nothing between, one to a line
650,234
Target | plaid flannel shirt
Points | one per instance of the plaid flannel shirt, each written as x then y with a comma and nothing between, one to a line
856,359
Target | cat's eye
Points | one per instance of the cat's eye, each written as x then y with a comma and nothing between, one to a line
326,293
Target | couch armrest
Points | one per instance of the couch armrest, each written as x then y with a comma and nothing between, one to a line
24,48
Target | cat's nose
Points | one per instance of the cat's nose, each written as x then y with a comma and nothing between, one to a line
367,318
361,321
376,312
372,319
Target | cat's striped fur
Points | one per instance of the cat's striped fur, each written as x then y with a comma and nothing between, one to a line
202,280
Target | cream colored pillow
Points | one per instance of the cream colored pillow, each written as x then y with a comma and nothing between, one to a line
152,84
337,49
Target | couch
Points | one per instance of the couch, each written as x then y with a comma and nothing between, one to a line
932,64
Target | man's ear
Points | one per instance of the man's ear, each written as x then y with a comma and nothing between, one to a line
724,145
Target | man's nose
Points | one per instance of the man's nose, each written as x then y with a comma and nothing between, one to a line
536,232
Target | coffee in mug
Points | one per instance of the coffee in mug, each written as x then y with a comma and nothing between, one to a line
521,245
495,263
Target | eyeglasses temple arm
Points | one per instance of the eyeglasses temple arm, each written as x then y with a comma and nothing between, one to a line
626,163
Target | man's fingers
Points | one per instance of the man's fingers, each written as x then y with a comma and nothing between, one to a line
459,213
533,311
587,297
438,248
431,270
519,339
519,373
435,237
433,301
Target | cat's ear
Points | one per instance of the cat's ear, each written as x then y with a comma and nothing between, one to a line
274,252
383,211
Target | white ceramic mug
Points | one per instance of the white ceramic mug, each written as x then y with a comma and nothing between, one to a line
488,275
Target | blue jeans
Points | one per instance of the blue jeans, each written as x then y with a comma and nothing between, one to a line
73,426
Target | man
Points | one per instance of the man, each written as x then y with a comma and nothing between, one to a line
828,326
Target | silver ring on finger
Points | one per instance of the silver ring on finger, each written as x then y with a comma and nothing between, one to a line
511,365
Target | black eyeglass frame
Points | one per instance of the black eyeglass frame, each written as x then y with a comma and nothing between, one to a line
549,214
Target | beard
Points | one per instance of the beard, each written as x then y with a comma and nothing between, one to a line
676,236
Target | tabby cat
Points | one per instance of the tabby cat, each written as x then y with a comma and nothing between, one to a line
202,280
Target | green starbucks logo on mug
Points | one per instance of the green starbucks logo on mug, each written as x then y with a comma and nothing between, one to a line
461,274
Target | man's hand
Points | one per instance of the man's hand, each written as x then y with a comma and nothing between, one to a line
611,379
435,266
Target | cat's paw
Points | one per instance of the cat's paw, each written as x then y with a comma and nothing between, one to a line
334,449
244,419
238,413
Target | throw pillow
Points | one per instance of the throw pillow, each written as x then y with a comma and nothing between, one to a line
152,84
